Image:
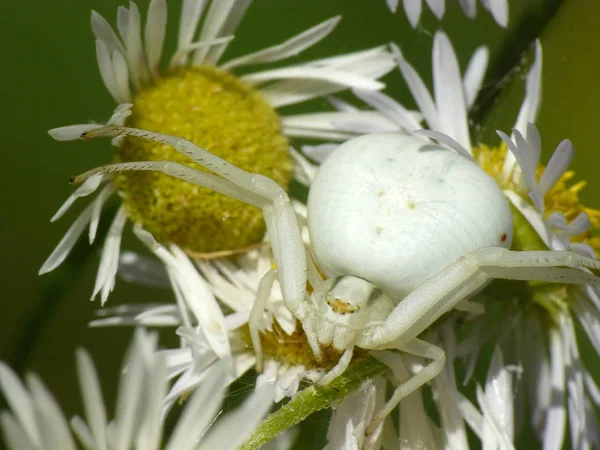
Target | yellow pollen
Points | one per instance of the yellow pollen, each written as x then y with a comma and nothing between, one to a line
562,198
218,112
294,349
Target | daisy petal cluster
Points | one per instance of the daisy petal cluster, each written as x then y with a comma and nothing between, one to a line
413,9
36,421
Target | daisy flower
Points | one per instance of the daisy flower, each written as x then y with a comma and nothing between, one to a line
413,8
199,98
36,421
547,214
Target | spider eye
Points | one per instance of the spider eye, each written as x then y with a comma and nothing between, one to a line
340,307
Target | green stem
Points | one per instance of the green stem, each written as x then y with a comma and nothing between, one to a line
313,399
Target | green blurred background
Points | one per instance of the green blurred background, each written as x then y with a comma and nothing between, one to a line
50,78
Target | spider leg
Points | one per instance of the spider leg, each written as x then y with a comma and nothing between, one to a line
230,180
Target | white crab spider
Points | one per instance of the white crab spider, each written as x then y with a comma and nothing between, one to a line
403,228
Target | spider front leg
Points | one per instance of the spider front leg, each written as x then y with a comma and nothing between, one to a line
255,189
442,292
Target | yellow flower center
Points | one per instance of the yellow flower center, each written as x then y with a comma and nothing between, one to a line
293,349
218,112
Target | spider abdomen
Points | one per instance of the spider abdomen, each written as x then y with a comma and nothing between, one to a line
395,209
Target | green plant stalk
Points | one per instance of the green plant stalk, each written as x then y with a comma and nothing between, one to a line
313,399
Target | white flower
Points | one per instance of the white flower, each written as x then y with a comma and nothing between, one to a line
36,421
207,334
413,8
125,61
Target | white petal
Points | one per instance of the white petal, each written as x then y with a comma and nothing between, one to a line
243,420
318,153
89,186
531,103
557,166
51,420
438,7
554,429
340,77
191,11
129,397
341,105
107,72
82,432
474,75
498,433
446,140
393,5
121,76
418,90
104,32
14,436
200,410
215,19
291,47
499,393
388,107
20,402
67,242
136,268
229,27
91,393
149,435
72,132
498,9
449,94
109,261
98,204
469,7
412,8
154,33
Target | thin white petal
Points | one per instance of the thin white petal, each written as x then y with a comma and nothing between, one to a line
474,75
499,393
72,132
191,11
82,432
438,7
469,7
104,32
340,77
97,210
51,420
412,8
229,27
388,107
557,166
20,402
136,268
488,415
107,72
318,153
446,140
67,242
418,90
291,47
89,186
498,9
109,261
449,94
14,436
393,5
556,420
244,420
200,410
215,19
531,103
154,33
95,411
121,76
135,52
